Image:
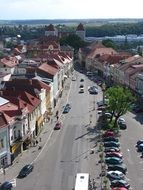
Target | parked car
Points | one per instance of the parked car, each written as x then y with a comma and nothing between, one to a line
137,109
120,183
140,148
106,139
119,188
81,90
113,175
88,73
139,142
108,134
58,126
120,167
113,160
122,123
111,149
81,80
115,154
73,78
111,144
101,103
67,108
25,170
121,119
81,86
122,126
93,90
6,186
108,115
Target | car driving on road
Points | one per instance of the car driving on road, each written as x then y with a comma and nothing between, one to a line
6,186
25,170
67,108
58,126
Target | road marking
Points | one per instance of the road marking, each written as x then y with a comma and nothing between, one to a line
43,147
13,182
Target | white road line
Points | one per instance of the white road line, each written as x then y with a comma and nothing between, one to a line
43,147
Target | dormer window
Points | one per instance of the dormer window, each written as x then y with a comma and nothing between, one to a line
50,47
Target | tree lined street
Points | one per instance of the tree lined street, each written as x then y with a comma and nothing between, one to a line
68,151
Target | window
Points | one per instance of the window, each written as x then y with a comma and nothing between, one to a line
14,134
11,138
1,144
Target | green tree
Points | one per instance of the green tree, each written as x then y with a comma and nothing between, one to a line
73,40
120,99
109,43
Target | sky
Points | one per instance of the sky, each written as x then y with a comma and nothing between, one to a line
70,9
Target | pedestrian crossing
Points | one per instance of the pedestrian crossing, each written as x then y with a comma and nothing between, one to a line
13,182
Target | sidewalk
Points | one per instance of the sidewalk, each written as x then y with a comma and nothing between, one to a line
29,155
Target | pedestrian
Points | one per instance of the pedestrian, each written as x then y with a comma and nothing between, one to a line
40,139
57,113
36,142
57,117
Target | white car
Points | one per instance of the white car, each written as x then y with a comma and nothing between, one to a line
121,120
112,175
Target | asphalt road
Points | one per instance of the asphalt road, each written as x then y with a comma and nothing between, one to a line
68,150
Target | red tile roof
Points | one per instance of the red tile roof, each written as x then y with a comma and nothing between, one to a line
9,61
48,69
101,51
28,85
30,101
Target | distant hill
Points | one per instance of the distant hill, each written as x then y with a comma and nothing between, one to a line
68,21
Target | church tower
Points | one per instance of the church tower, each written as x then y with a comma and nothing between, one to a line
80,31
51,31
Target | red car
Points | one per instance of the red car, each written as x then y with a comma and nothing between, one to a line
108,134
116,154
58,126
119,188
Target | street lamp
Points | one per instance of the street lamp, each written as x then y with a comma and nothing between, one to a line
103,122
103,90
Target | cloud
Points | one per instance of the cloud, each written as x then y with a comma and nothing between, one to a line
52,9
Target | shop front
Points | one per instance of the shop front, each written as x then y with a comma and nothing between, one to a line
5,160
27,142
15,150
39,125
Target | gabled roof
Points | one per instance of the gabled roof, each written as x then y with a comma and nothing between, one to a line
9,61
101,51
134,60
50,27
48,69
111,59
30,101
80,27
28,85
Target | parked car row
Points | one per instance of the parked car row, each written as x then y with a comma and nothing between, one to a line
81,87
116,169
93,90
139,146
